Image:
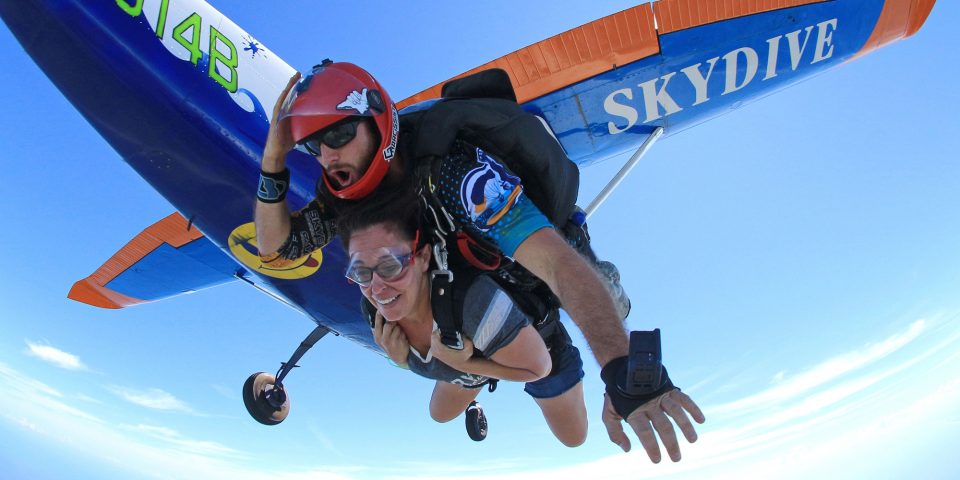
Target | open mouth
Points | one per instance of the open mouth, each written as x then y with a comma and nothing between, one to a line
342,178
387,301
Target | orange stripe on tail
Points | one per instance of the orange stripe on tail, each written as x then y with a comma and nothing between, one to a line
92,290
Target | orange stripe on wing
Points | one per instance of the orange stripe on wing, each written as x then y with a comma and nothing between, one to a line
899,19
676,15
89,292
604,44
572,56
92,290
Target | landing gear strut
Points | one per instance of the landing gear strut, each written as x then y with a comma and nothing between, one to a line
263,394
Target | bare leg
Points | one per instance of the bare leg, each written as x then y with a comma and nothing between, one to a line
566,415
449,401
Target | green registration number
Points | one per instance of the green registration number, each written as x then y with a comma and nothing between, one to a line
187,34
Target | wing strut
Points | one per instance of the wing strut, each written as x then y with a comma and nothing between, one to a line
615,182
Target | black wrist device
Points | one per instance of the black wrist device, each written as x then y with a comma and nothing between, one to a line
644,365
639,377
273,186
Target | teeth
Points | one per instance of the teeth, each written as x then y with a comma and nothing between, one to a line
387,300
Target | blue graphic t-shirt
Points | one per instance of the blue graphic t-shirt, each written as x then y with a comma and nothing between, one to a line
487,199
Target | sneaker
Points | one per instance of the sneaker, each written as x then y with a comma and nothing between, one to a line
608,271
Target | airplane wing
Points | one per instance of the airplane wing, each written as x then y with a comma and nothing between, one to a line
605,86
167,259
179,91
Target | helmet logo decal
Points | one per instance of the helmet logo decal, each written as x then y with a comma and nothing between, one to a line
391,149
488,192
355,101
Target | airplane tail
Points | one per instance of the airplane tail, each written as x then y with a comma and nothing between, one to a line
167,259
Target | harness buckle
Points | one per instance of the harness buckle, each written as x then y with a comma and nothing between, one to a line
436,273
452,341
440,255
448,219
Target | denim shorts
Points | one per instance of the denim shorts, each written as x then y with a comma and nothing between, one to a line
566,374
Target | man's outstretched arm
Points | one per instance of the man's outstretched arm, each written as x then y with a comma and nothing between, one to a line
591,307
580,290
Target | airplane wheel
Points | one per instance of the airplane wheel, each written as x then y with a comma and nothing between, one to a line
476,422
265,402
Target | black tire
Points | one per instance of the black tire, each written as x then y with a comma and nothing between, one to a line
255,399
476,422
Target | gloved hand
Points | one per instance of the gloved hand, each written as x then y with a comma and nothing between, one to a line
614,375
646,413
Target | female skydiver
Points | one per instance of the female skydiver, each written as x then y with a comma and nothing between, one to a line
391,263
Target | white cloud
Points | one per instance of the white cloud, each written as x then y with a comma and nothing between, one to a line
175,439
88,398
153,398
231,393
834,450
23,383
824,429
822,422
325,440
55,356
500,468
788,388
35,394
23,422
32,406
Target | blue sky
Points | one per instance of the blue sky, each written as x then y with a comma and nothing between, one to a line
800,254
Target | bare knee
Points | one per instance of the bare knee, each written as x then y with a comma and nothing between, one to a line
574,439
567,416
440,416
570,427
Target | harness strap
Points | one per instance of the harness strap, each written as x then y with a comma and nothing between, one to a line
441,287
480,255
467,246
441,294
490,383
440,225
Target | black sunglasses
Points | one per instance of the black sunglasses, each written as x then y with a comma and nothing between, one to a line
334,136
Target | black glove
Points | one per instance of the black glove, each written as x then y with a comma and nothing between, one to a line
614,375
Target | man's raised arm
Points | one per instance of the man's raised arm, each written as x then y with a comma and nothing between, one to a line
272,216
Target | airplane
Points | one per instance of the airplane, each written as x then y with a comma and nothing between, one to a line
205,86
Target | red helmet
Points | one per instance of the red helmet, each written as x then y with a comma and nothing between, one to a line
334,92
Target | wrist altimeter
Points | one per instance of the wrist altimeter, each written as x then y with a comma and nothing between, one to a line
638,377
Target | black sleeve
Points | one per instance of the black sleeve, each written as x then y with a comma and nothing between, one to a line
310,228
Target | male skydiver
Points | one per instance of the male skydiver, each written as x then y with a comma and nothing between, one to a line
344,117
